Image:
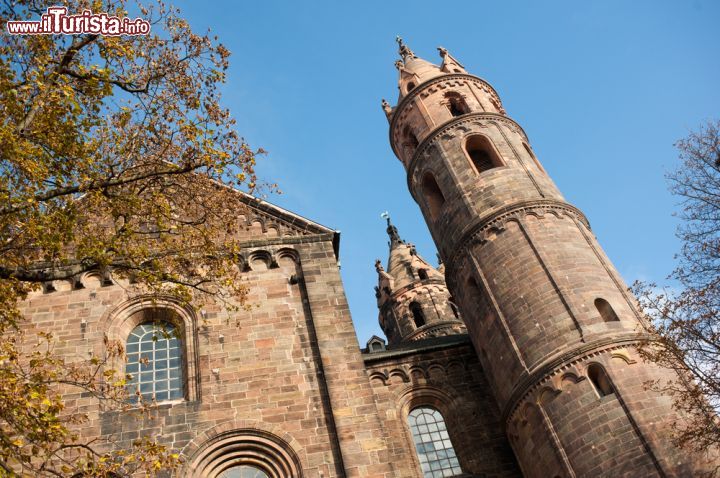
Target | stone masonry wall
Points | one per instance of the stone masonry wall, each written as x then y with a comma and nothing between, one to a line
288,370
448,378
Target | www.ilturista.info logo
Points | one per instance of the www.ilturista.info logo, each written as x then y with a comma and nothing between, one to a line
57,21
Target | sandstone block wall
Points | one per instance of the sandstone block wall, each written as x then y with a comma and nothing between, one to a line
442,373
285,374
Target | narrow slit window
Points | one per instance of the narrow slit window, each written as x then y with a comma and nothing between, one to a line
606,311
482,153
600,380
432,443
433,195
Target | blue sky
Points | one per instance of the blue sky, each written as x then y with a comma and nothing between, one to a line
603,90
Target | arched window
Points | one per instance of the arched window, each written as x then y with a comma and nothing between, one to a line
606,311
243,471
422,273
456,104
482,153
432,443
242,453
410,86
433,195
600,380
529,151
410,138
155,362
417,313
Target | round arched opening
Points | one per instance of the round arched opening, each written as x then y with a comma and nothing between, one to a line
245,453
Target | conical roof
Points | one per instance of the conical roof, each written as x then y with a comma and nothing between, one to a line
413,70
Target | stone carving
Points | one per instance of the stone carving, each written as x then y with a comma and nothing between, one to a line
386,107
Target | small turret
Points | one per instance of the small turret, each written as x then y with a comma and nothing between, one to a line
412,297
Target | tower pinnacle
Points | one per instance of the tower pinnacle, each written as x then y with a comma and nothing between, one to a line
392,231
412,297
403,49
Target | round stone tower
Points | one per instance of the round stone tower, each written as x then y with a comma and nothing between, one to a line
550,318
412,297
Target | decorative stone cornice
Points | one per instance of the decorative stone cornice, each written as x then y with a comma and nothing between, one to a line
556,364
433,329
413,349
496,220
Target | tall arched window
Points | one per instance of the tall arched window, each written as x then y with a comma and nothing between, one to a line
417,313
606,311
482,153
600,380
410,86
155,362
456,104
422,273
433,195
432,443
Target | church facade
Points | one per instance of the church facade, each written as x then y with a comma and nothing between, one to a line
516,356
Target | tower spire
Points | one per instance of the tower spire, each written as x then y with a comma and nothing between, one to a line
392,231
412,295
404,51
413,69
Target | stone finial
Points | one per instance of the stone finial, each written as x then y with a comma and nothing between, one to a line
398,64
378,266
403,49
392,231
386,107
449,64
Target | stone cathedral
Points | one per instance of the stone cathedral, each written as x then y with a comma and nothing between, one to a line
516,356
